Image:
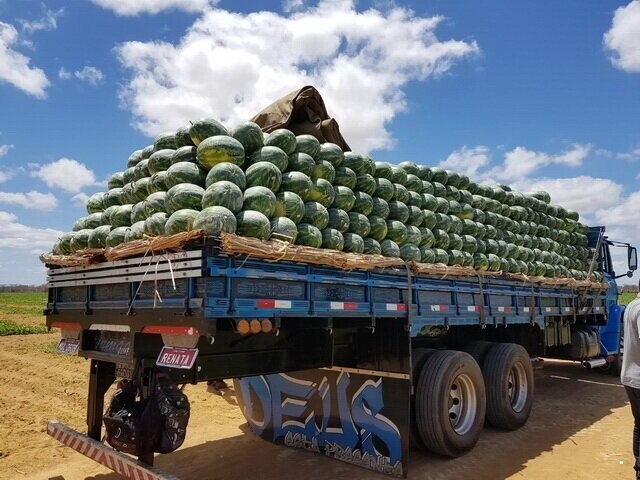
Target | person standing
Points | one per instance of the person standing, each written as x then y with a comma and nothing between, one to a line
630,372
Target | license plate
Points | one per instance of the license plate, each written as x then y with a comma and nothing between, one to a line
68,346
177,357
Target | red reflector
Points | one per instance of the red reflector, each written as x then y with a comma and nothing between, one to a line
66,325
402,306
350,306
169,330
266,303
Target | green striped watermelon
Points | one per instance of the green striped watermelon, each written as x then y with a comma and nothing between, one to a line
185,154
134,158
383,170
396,231
410,252
184,195
332,239
345,177
298,183
378,227
401,194
120,217
338,219
301,162
116,180
414,235
98,236
138,212
223,194
165,140
142,169
156,202
429,219
249,134
359,223
398,175
95,203
160,160
205,128
215,220
113,197
264,174
260,199
283,139
390,248
398,211
315,214
332,153
372,246
380,207
116,236
183,139
309,236
416,216
325,170
135,232
384,189
345,198
307,144
226,171
289,205
271,154
185,172
252,223
322,192
353,243
147,151
366,183
283,228
355,162
218,149
180,221
158,182
363,203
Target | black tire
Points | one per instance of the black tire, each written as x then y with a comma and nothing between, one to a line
478,349
445,374
508,377
418,358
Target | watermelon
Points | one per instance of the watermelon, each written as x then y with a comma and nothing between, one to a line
113,197
439,190
156,202
264,174
455,241
249,134
183,139
467,259
290,205
390,248
298,183
160,160
398,211
142,188
456,257
401,194
120,217
129,175
469,244
332,153
427,255
456,225
116,236
135,232
95,203
424,173
410,252
441,238
359,223
185,154
338,219
363,203
315,214
378,227
429,219
469,227
442,206
415,199
142,169
346,177
542,196
439,175
226,171
466,212
185,172
427,188
366,183
271,154
479,216
572,215
369,166
105,220
283,228
380,207
154,224
355,162
452,193
64,243
158,182
414,235
332,239
372,246
398,175
220,149
453,179
138,212
223,194
426,238
409,167
307,144
165,140
127,194
353,243
309,236
283,139
384,189
383,170
494,262
416,216
116,180
324,170
79,223
396,231
205,128
134,158
180,221
441,256
345,198
260,199
146,152
252,223
413,183
98,237
322,192
183,195
215,220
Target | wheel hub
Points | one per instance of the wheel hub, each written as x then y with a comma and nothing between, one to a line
462,404
517,387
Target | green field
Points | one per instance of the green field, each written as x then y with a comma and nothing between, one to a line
626,297
17,307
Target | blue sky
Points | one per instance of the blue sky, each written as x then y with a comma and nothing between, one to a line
535,94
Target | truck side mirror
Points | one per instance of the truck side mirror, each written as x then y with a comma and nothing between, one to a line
632,255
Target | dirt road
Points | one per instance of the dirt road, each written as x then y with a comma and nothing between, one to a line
580,429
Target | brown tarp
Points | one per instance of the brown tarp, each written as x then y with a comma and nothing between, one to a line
302,112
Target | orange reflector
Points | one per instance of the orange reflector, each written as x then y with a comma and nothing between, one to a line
267,326
243,327
255,326
66,325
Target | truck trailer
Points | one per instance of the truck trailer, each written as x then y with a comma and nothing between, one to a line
358,365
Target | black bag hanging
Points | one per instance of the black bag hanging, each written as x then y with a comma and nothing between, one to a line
174,408
122,419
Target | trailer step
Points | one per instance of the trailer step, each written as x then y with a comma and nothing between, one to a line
120,463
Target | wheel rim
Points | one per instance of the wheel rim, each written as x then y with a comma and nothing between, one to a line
517,387
462,404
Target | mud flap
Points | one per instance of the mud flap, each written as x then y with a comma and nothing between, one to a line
359,417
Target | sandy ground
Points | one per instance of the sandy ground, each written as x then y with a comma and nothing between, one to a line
580,429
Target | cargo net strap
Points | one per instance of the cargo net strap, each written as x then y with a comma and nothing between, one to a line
144,246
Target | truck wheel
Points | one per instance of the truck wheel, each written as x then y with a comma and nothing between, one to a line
418,358
478,349
450,403
508,376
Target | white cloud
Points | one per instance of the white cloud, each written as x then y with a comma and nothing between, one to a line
88,74
17,235
521,162
15,68
135,7
4,149
80,198
631,156
291,5
48,20
6,175
66,174
31,200
623,38
231,65
624,213
467,160
64,74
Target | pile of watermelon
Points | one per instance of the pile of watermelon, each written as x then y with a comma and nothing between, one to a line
292,188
